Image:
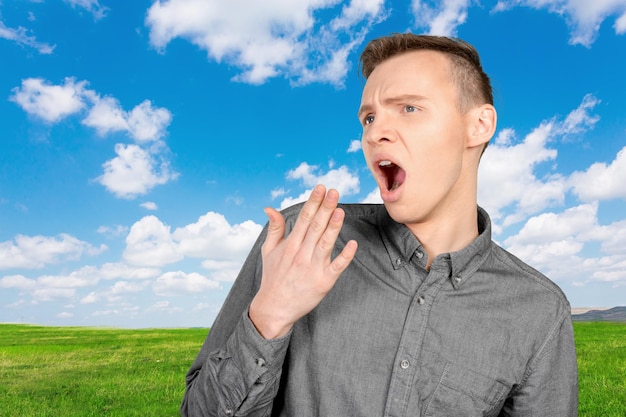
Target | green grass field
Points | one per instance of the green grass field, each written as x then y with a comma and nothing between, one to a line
601,352
78,371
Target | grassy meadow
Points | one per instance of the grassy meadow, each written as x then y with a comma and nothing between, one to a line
79,371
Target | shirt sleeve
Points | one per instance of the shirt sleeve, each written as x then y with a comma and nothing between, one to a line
237,372
551,384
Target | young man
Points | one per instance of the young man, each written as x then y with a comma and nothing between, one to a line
429,317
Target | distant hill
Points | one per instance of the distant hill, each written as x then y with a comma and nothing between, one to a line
612,314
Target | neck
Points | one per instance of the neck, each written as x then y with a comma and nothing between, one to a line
447,233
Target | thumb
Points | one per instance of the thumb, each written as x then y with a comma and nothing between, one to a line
275,230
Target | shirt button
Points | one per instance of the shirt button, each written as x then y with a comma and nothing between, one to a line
420,300
457,280
419,254
228,411
398,261
260,362
405,364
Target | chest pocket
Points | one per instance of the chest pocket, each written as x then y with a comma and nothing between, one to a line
462,392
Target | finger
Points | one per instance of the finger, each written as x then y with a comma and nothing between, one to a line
322,219
275,230
325,244
307,213
341,261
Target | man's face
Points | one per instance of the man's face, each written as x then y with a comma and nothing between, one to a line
414,137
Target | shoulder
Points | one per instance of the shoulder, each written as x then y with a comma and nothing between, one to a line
529,281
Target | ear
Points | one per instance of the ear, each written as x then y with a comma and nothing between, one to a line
481,125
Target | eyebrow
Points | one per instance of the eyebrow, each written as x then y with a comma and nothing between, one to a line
403,98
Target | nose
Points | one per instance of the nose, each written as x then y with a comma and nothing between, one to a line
379,131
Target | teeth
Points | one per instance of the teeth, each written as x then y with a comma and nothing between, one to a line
384,163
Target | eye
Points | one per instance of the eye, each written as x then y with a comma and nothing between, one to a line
410,109
369,119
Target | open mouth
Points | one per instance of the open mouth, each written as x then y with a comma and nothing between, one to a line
394,175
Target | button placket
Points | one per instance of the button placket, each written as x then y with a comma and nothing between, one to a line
409,350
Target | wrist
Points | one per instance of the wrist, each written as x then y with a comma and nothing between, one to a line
267,322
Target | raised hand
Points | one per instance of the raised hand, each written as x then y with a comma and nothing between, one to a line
297,270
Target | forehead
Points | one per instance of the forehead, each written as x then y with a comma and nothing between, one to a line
415,70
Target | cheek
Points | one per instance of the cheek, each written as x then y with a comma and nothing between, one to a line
366,151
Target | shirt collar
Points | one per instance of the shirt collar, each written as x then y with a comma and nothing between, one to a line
399,241
401,245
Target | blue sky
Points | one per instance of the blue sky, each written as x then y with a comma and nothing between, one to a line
141,141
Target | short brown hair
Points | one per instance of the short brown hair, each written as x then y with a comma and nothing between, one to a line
467,72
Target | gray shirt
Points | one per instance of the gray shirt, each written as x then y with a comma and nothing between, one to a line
479,334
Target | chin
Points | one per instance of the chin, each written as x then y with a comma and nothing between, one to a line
405,214
396,212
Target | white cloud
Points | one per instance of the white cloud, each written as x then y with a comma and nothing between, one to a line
53,294
580,120
270,38
555,243
442,19
224,270
144,123
149,205
127,310
620,25
614,240
92,6
601,181
200,307
21,37
19,282
278,192
106,115
125,287
150,243
355,146
551,227
507,173
177,283
119,270
85,277
50,102
134,171
90,298
583,17
113,231
373,197
104,313
38,97
507,178
164,306
341,179
64,286
221,246
39,251
115,293
212,237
